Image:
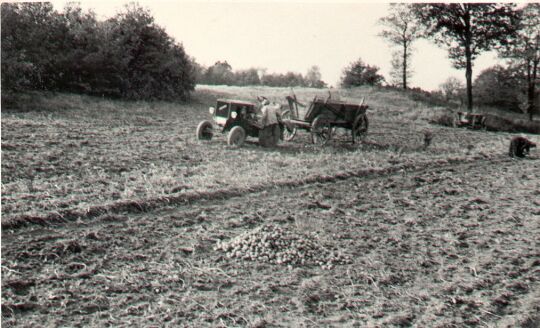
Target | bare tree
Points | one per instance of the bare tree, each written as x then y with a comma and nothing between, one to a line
401,31
400,73
467,29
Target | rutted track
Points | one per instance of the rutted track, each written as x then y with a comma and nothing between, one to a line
145,205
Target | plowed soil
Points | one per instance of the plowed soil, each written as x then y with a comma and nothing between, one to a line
454,245
113,217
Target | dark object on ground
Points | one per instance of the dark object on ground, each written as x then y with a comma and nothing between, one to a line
428,136
470,120
520,147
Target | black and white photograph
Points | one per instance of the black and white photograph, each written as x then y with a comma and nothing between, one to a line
270,163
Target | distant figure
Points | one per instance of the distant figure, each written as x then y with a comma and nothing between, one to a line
520,147
428,136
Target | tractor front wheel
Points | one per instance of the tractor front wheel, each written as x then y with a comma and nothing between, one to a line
236,136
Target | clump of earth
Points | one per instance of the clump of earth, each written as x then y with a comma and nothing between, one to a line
272,244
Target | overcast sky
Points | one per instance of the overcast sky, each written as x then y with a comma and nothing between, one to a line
290,36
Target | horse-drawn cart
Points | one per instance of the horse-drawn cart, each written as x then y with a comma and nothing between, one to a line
322,117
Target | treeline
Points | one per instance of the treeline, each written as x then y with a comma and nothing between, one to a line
221,73
127,56
502,87
499,86
466,30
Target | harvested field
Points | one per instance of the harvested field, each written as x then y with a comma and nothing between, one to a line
63,163
138,223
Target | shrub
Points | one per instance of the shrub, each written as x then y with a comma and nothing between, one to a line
497,123
445,118
499,87
127,56
358,73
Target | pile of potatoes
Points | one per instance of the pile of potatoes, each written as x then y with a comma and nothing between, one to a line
272,244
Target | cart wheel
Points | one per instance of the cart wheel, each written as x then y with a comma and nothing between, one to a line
204,131
360,127
289,130
321,130
236,136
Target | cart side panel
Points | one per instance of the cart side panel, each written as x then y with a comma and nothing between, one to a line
311,113
351,111
319,108
335,111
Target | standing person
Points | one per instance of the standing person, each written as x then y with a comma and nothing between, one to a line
271,131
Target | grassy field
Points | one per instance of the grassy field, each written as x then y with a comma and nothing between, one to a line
112,211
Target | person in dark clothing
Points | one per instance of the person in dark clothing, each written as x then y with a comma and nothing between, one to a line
520,147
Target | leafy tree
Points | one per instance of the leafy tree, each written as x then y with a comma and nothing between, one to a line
219,73
272,80
292,79
313,78
499,87
152,64
81,42
109,63
358,73
467,29
222,73
17,68
247,77
32,35
402,29
452,88
523,50
127,56
198,70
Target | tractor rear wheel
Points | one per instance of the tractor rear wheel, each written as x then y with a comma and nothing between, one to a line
236,136
205,131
